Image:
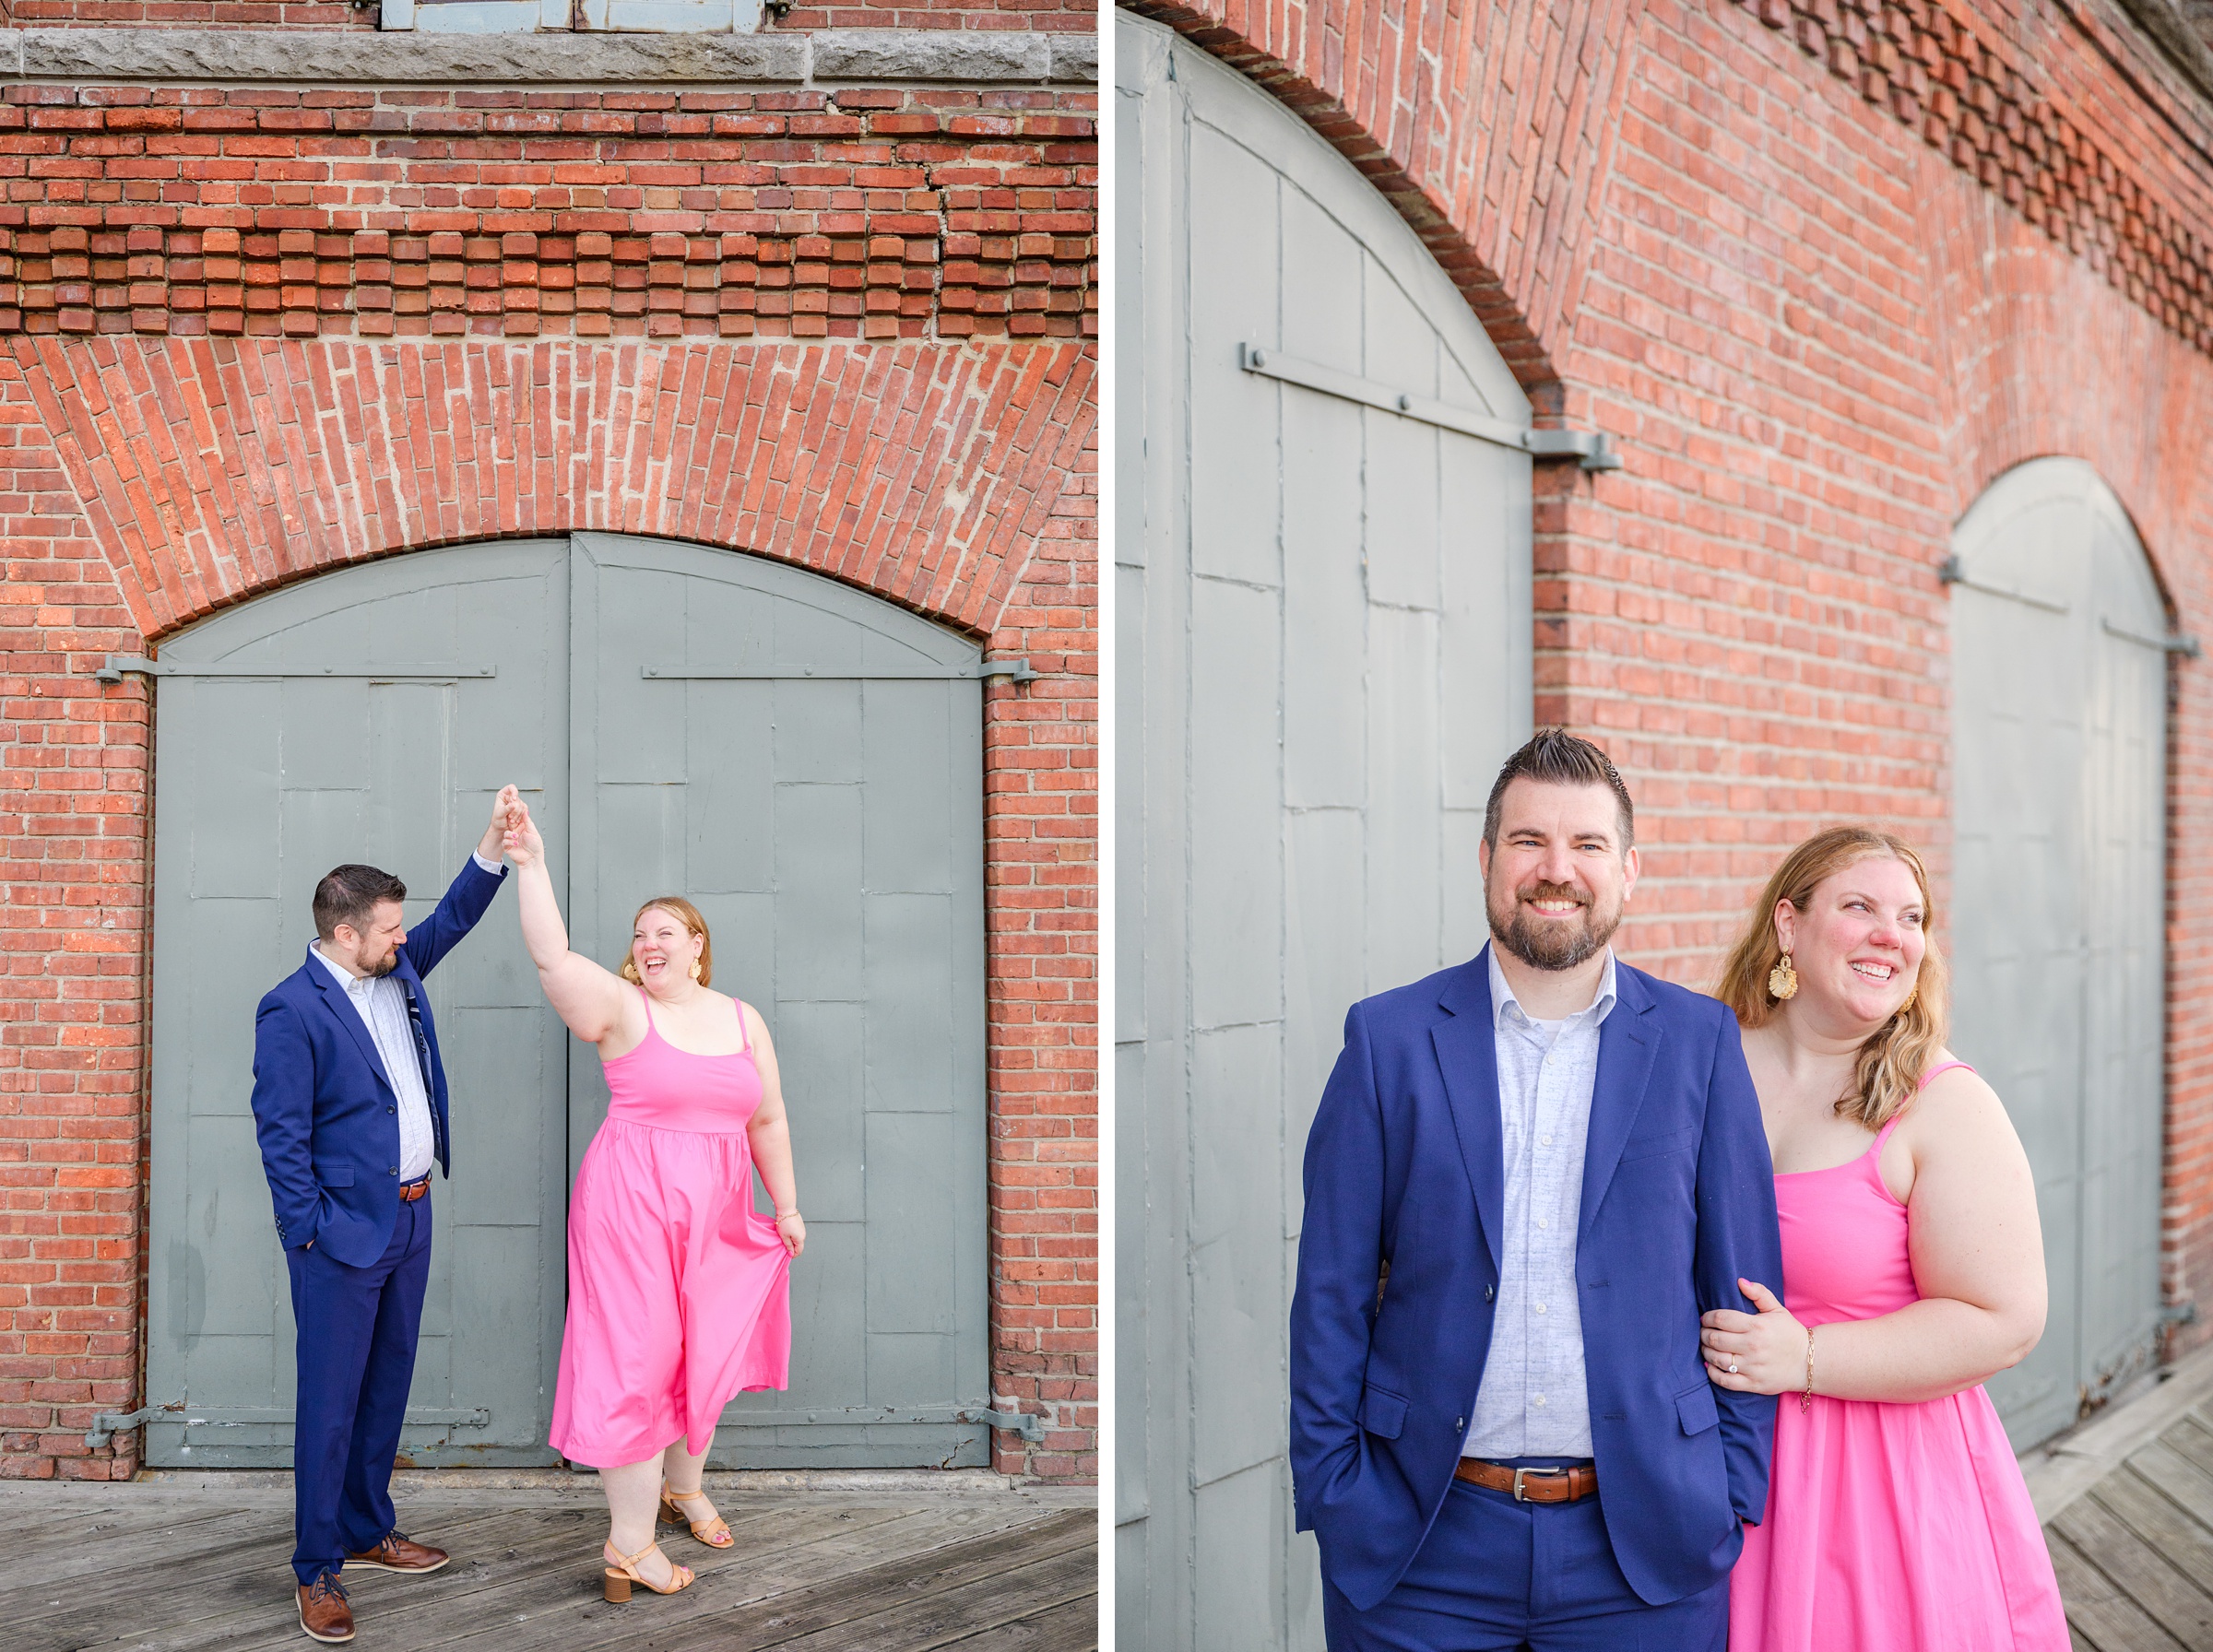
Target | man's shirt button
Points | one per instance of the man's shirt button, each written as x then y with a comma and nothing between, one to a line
1540,1307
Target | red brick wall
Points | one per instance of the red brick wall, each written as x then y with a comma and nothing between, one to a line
190,14
146,481
1824,270
860,213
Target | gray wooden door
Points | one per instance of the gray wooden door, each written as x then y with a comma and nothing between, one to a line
1323,648
807,766
2059,742
450,679
831,827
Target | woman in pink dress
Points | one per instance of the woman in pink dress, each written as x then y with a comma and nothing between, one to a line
1913,1270
679,1292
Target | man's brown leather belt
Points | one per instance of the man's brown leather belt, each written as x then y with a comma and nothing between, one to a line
411,1191
1531,1485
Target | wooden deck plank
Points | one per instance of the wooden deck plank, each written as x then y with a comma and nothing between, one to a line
184,1552
2105,1617
1073,1626
2181,1480
527,1553
47,1536
526,1578
728,1583
212,1603
957,1614
2192,1438
2138,1502
2153,1583
830,1608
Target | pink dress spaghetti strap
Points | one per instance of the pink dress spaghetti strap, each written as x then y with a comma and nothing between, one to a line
680,1293
1890,1527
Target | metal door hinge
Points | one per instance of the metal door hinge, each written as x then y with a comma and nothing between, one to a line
2170,642
1016,670
120,664
862,1416
1593,449
1952,572
108,1423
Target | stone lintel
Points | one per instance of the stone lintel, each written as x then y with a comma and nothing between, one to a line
327,57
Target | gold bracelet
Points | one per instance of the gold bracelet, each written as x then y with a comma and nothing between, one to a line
781,1215
1806,1400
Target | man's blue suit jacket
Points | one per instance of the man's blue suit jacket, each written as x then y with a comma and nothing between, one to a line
323,1107
1404,1166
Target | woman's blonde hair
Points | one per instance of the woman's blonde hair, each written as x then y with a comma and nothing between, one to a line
1892,1061
676,907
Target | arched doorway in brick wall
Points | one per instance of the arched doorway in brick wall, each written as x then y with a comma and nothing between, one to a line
1323,628
2059,753
802,758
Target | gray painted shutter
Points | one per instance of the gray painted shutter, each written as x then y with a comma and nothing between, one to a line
1324,636
264,783
831,830
2059,740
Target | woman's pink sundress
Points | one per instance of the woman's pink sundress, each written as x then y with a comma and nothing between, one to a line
679,1292
1891,1527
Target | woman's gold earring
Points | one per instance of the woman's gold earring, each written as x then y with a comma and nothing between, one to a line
1782,980
695,968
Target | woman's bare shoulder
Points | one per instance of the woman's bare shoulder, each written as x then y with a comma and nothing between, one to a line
1956,1107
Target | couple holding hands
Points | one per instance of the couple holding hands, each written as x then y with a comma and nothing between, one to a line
679,1292
1570,1231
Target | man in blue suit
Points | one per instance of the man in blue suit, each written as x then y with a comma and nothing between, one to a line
350,1104
1528,1177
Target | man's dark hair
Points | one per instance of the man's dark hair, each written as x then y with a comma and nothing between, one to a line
347,895
1558,757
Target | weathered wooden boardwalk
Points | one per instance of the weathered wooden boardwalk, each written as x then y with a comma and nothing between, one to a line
2128,1506
891,1567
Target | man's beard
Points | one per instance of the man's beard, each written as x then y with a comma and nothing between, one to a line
1552,943
385,965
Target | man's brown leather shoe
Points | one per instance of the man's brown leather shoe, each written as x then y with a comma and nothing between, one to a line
399,1553
322,1610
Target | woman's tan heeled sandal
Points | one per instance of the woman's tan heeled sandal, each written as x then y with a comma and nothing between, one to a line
714,1533
615,1585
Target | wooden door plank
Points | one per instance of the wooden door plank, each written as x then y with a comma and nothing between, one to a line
2101,1614
2180,1608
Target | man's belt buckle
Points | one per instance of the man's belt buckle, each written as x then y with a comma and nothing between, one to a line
1519,1496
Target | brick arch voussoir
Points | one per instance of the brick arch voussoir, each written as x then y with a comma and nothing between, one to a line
1486,290
210,472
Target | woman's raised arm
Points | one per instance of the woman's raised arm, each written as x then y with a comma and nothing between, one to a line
588,996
